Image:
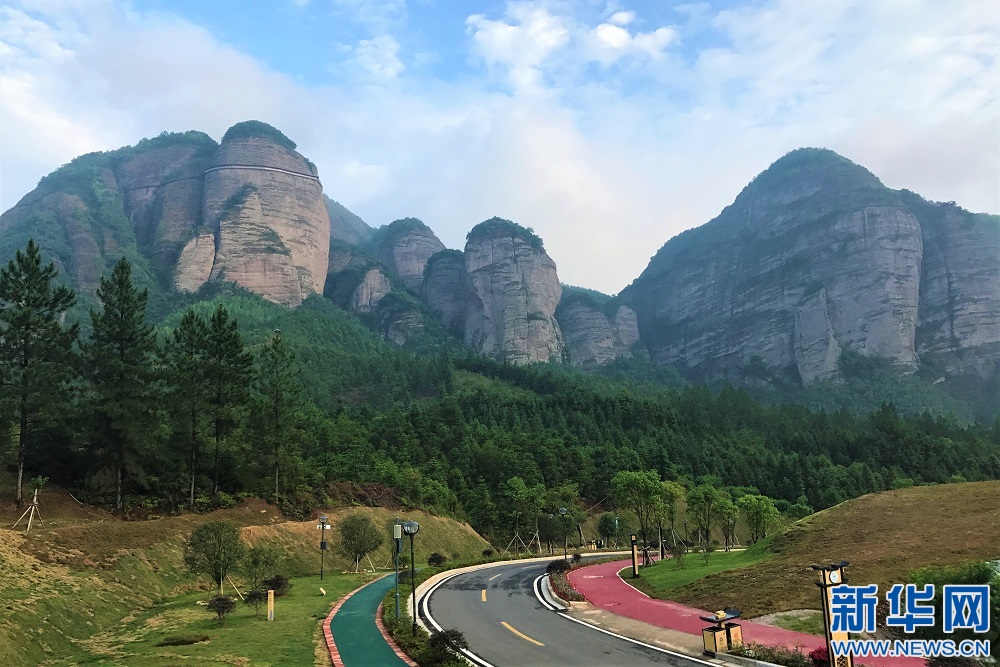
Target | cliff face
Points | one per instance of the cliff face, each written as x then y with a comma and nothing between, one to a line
959,314
513,294
597,329
815,255
444,288
265,205
405,246
186,210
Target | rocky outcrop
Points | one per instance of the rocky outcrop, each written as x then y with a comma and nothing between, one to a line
445,287
592,326
405,246
374,286
959,311
814,256
186,210
513,294
265,204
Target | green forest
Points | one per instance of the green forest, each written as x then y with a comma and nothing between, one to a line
229,396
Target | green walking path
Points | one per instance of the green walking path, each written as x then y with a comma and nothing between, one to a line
354,631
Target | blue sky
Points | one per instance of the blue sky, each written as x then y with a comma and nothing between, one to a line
608,126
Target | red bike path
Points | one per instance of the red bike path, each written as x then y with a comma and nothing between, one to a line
603,588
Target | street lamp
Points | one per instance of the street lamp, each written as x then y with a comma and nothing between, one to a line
397,536
411,528
322,543
562,514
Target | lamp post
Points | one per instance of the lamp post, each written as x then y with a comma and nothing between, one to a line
322,543
562,514
397,536
411,528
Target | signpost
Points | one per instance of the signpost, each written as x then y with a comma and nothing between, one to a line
635,557
322,543
833,575
270,605
397,535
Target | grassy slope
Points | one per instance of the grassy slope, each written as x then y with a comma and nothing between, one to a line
884,536
82,587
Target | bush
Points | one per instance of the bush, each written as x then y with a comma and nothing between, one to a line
577,558
436,559
221,605
487,553
820,655
558,566
447,644
279,583
778,655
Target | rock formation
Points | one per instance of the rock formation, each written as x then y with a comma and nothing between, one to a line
513,294
815,256
593,336
405,246
346,227
445,287
370,291
186,210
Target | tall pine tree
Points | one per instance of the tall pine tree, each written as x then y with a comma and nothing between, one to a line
185,356
228,374
279,400
36,350
121,366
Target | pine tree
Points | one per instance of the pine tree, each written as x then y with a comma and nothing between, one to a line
185,356
228,372
279,398
120,364
36,350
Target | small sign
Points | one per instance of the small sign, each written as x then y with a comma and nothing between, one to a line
322,545
270,605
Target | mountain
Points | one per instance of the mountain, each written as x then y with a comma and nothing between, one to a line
814,264
187,211
815,257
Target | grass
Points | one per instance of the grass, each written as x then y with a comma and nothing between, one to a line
662,579
86,588
810,622
884,536
245,639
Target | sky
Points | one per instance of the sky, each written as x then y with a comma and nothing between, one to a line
607,126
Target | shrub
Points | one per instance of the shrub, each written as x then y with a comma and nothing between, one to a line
558,566
279,583
778,655
221,605
487,553
577,558
436,559
820,655
446,644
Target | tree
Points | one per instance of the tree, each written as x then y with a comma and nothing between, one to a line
639,491
120,364
609,527
359,536
184,358
670,493
36,350
728,513
228,370
279,399
258,562
759,513
702,503
215,549
221,605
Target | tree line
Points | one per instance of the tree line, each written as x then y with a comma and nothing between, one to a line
303,406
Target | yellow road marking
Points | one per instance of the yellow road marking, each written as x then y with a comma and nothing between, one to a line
521,634
484,595
495,576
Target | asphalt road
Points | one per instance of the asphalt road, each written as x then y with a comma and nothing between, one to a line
505,624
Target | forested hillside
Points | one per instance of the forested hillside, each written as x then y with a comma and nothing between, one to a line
237,396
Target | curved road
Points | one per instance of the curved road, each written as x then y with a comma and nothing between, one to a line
505,623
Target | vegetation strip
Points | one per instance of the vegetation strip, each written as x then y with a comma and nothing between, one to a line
389,640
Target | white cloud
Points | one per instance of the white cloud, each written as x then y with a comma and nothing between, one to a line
378,57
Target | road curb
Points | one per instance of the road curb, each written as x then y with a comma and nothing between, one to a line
390,641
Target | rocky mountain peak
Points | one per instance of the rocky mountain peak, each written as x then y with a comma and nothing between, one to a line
404,246
513,294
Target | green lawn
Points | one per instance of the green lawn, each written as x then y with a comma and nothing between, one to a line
661,579
243,640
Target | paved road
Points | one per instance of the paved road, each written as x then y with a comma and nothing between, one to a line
354,629
505,624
